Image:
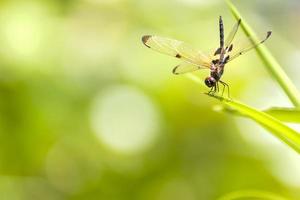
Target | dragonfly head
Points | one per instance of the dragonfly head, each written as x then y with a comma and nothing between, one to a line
210,81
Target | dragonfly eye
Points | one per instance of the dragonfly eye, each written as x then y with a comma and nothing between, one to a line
210,82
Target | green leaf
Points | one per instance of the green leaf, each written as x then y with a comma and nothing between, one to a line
280,130
251,194
270,62
285,114
276,127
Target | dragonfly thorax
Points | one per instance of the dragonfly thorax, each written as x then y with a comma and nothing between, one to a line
216,71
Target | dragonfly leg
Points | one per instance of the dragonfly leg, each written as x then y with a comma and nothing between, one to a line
211,90
217,86
225,86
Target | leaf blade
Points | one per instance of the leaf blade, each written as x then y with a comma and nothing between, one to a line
285,114
275,126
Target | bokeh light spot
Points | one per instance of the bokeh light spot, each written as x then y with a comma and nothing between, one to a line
24,28
125,119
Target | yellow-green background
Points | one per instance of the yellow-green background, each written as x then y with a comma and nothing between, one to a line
87,112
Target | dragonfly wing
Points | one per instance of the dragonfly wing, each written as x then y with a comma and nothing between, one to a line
176,49
185,68
245,47
232,33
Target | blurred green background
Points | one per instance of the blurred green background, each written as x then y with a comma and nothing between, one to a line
87,112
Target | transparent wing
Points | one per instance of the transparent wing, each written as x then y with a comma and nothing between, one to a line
186,67
232,33
244,47
176,49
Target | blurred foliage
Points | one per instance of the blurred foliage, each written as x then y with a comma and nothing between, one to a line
87,112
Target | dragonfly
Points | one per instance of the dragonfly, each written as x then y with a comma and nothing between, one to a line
194,59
